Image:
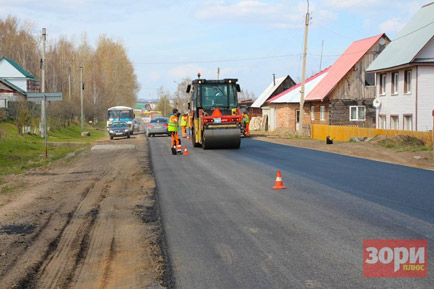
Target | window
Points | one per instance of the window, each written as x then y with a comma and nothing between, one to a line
394,122
369,79
382,84
395,82
221,95
322,112
382,121
408,122
312,113
357,113
407,81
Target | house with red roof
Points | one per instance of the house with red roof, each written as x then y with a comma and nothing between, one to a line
405,76
343,94
286,105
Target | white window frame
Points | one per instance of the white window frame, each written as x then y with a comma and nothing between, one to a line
322,113
357,113
405,122
407,81
392,122
312,112
382,88
394,84
382,121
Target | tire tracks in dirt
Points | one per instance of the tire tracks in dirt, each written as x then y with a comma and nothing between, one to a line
69,235
87,232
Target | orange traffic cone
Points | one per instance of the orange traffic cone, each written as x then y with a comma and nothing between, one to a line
279,184
188,137
185,151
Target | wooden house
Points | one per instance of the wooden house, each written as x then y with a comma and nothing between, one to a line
345,95
260,110
274,88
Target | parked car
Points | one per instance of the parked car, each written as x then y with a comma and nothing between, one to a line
158,125
118,129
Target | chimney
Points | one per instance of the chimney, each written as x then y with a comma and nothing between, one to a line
274,79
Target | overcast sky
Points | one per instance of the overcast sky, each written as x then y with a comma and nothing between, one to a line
168,40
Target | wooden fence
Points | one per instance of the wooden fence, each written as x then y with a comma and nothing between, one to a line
344,133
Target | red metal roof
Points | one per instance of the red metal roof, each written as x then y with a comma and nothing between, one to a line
342,65
298,85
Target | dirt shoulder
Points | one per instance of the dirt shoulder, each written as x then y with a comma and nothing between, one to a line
90,221
366,150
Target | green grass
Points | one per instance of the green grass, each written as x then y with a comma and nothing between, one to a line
21,152
411,145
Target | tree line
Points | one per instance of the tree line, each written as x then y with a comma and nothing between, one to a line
108,74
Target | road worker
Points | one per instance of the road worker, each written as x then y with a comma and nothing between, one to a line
173,129
246,122
189,124
184,120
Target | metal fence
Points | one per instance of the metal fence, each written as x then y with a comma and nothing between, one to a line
344,133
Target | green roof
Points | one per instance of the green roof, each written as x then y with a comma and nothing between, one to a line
140,105
10,84
18,67
409,42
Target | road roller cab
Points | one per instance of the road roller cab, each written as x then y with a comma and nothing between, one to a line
215,116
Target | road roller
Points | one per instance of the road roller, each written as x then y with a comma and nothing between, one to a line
215,117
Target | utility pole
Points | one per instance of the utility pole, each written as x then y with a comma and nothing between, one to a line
218,73
81,96
69,83
94,102
44,102
44,38
303,75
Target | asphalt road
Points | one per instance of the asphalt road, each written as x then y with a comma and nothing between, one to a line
227,228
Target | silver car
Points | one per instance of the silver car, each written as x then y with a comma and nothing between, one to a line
157,126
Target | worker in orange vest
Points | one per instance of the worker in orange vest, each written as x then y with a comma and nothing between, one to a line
173,129
184,120
246,122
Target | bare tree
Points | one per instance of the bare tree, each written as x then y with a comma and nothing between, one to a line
108,74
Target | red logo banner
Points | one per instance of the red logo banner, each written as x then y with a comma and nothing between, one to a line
395,258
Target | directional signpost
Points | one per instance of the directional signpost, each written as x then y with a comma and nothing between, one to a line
44,97
49,96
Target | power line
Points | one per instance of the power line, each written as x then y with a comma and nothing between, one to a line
245,59
414,31
216,61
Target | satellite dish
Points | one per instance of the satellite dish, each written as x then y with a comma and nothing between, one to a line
376,103
382,41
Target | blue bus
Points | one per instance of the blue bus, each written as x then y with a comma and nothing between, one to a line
121,113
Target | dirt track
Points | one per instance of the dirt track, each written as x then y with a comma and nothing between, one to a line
90,221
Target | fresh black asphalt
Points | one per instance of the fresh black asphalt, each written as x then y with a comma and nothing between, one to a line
226,227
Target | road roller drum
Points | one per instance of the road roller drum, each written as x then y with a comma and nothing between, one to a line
224,138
